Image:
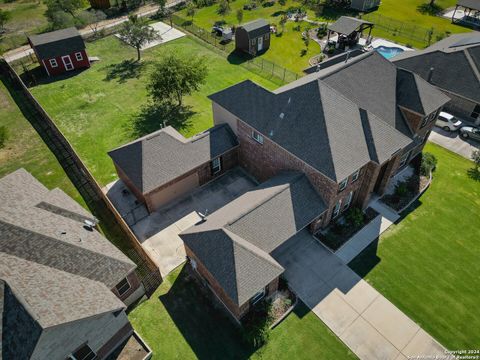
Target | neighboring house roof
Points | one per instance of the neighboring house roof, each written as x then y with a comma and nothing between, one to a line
471,4
347,25
338,119
57,43
455,62
233,243
256,27
48,259
164,155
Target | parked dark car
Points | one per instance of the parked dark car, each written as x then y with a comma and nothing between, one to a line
470,132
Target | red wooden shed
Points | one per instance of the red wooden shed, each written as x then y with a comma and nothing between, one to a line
60,51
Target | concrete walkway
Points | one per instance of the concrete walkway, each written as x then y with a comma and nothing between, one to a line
370,325
369,233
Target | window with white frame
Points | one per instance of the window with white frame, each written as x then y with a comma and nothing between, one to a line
355,175
123,286
348,200
336,209
433,116
253,41
53,63
83,353
258,296
79,56
257,137
404,159
216,165
267,36
343,184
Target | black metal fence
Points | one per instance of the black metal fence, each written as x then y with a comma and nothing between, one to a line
420,34
259,65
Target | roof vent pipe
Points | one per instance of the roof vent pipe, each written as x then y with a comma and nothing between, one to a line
203,216
430,74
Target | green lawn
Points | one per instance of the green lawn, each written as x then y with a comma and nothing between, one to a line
97,107
178,322
428,265
25,148
27,18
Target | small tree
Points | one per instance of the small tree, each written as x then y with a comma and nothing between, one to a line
137,33
283,21
476,158
223,8
5,16
239,16
191,10
161,6
282,2
428,163
174,77
92,18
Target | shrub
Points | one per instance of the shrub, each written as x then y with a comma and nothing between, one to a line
338,228
429,162
303,52
355,217
3,136
296,28
256,324
401,189
322,31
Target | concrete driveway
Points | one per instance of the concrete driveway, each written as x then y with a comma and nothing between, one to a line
453,142
370,325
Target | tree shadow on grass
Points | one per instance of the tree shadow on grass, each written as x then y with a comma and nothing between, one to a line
127,69
204,325
155,116
427,9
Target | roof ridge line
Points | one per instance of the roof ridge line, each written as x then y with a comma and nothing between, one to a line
472,63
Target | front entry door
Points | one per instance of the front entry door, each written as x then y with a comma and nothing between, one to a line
260,43
67,62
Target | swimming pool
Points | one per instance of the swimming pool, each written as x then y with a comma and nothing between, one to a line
388,52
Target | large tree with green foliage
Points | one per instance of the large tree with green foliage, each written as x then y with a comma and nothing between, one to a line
4,17
62,13
137,33
176,76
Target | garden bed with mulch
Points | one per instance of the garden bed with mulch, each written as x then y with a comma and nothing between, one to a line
344,228
406,191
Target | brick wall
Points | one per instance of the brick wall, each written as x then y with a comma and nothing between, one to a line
115,341
135,284
237,311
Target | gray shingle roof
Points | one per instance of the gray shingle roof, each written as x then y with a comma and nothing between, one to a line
47,257
347,25
256,27
57,43
472,4
162,156
257,223
319,118
456,64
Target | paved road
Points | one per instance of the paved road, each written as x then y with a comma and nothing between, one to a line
370,325
453,142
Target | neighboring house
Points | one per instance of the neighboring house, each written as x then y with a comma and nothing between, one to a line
453,65
364,5
63,287
253,37
348,127
60,51
164,165
467,12
231,248
319,145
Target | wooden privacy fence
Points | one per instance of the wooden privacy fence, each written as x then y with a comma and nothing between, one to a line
96,199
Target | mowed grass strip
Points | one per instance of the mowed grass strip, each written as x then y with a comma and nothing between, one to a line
25,149
428,265
95,108
179,322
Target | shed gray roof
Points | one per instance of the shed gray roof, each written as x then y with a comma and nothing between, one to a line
471,4
234,242
57,43
164,155
256,27
347,25
339,118
48,258
455,62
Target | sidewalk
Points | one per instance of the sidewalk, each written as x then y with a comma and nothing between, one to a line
146,10
369,233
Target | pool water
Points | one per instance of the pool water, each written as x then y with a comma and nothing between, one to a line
388,52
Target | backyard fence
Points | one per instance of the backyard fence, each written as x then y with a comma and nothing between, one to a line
406,30
264,67
81,177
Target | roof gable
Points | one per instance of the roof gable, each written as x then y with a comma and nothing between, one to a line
57,43
256,28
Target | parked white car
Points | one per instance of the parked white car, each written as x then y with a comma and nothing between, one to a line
448,122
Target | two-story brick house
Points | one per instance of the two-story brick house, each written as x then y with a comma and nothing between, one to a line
64,287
